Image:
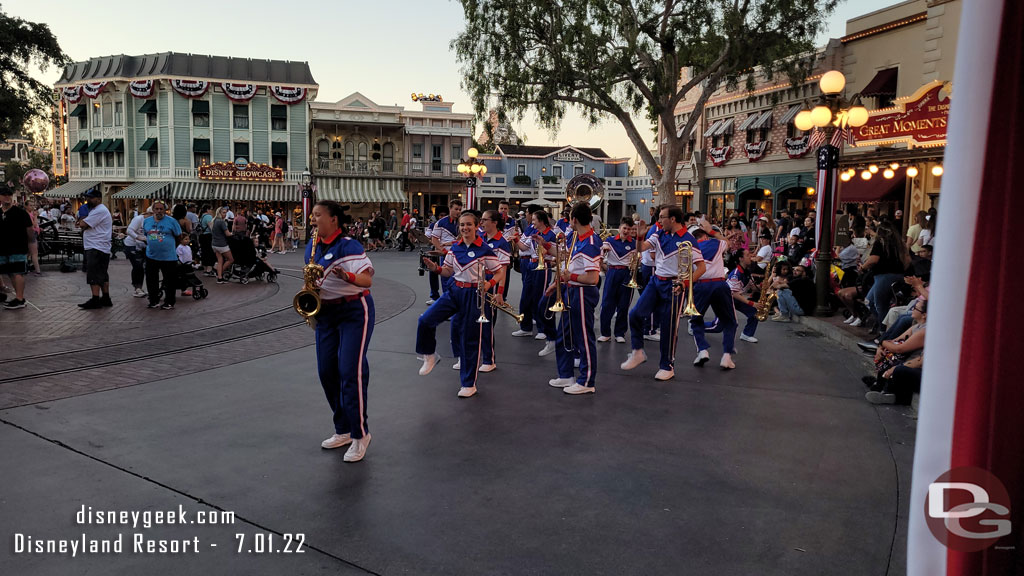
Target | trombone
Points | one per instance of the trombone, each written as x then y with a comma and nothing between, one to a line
559,304
684,277
481,287
504,307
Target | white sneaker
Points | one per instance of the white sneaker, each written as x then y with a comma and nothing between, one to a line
575,362
467,392
663,375
577,389
620,339
358,449
521,333
689,329
429,301
336,441
540,336
653,337
561,382
702,358
635,358
488,367
549,349
856,322
727,363
850,319
746,338
140,293
457,365
429,362
604,338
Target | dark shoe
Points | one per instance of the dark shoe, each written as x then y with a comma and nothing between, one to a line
14,304
868,381
880,397
93,304
221,281
153,305
167,307
877,386
105,301
3,297
869,347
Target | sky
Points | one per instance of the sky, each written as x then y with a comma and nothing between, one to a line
385,50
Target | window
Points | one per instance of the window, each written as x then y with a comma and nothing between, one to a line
435,157
95,114
417,151
577,170
242,148
714,141
151,119
792,132
456,153
120,159
437,123
108,114
109,163
556,171
279,162
323,154
202,120
240,112
751,136
499,180
154,159
201,158
278,117
389,157
521,170
84,157
726,139
83,122
279,155
350,156
362,157
118,114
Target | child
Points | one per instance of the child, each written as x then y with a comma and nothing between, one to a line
185,260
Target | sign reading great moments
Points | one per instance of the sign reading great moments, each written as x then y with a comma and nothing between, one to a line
251,172
920,119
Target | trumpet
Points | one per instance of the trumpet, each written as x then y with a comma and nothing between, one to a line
482,290
559,305
685,277
307,301
634,266
504,307
541,265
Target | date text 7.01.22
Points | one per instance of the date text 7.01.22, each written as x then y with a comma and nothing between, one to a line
270,543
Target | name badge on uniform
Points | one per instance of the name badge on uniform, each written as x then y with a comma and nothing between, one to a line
328,256
472,255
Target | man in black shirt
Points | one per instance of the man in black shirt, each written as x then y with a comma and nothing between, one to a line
15,236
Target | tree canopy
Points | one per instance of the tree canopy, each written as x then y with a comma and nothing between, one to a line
24,45
620,58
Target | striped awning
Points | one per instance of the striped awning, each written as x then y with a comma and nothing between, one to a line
254,192
143,190
70,190
190,191
361,190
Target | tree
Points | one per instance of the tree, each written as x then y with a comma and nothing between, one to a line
619,58
24,45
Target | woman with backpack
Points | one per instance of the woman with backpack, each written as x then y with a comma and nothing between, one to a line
279,233
206,255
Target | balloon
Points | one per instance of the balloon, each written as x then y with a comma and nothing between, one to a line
35,180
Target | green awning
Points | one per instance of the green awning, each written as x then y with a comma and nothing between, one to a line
361,190
82,145
143,190
200,107
78,111
117,146
148,108
254,192
278,111
105,146
149,144
71,190
201,145
94,145
278,148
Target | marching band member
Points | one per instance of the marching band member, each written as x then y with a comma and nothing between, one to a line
492,223
344,326
618,252
661,295
444,234
743,288
650,326
531,290
463,264
711,290
509,232
581,296
435,282
544,243
563,226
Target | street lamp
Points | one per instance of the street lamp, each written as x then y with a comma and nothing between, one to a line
307,201
471,168
832,112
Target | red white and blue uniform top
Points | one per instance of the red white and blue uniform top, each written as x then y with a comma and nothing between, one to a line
665,249
564,226
501,248
446,231
713,251
547,238
586,256
510,229
647,256
738,279
465,260
527,240
339,251
618,251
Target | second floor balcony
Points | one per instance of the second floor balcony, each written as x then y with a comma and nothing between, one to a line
385,167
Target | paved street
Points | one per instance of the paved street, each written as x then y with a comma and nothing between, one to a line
778,467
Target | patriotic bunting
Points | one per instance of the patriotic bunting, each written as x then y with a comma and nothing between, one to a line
720,156
72,94
190,88
239,92
288,94
756,151
141,88
93,89
798,147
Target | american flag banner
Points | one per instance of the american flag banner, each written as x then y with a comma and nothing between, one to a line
817,138
843,134
470,193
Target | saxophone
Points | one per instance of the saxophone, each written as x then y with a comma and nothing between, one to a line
768,294
307,301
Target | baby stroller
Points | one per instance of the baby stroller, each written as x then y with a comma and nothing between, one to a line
187,280
248,264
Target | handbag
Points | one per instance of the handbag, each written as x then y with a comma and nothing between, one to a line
890,359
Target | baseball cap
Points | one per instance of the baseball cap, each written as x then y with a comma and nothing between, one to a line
794,232
94,193
693,229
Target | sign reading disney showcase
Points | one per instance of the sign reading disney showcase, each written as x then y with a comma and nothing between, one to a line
251,172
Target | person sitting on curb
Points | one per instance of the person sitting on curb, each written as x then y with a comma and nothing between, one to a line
900,363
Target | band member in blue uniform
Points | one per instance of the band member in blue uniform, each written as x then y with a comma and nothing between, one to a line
564,225
509,231
743,295
464,264
711,290
492,223
344,326
531,293
444,234
544,244
650,326
662,296
575,335
619,251
434,279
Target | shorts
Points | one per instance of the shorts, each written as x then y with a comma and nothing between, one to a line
96,263
14,264
222,249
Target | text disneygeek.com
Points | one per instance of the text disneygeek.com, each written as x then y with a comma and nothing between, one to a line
138,542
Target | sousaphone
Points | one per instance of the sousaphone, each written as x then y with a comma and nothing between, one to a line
585,188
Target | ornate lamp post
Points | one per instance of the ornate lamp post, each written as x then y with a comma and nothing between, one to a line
307,201
471,168
832,113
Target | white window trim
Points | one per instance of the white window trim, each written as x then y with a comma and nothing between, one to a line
561,171
521,170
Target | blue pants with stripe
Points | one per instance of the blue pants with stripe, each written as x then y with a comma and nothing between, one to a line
576,332
616,301
545,318
718,297
343,334
459,304
530,295
650,325
656,299
435,285
714,327
487,337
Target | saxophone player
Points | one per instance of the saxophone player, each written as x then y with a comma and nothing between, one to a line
344,326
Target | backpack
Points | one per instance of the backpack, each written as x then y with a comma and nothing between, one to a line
284,226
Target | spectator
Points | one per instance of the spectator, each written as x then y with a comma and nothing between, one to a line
67,219
162,236
16,239
33,209
135,251
190,213
184,253
97,229
406,230
784,225
206,254
180,213
927,236
240,225
795,292
393,223
56,212
279,232
764,250
794,251
888,261
219,242
899,363
807,238
915,231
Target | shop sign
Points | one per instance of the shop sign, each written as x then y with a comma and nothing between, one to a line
59,160
251,172
919,119
568,157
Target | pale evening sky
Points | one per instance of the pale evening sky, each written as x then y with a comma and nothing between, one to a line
384,50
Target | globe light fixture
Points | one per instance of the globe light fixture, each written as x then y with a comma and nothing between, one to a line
767,192
912,171
937,170
873,169
803,120
472,153
821,116
888,174
866,175
810,191
857,116
894,165
845,176
832,82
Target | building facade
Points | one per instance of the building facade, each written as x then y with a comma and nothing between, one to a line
437,140
186,127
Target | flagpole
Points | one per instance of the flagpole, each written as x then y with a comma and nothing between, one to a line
828,172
